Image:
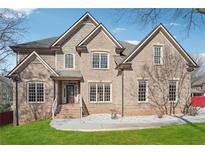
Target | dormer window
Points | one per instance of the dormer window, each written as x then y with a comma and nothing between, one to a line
158,55
100,60
69,61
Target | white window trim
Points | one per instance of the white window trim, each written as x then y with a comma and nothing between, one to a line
99,102
161,53
32,102
73,61
108,60
177,85
147,98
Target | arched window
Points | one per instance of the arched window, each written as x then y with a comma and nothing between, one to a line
69,61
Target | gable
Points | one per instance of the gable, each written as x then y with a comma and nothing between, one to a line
35,58
101,42
87,18
73,40
99,30
161,29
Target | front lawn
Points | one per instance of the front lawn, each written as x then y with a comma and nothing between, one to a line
40,132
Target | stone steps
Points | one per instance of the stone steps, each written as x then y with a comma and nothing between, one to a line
68,111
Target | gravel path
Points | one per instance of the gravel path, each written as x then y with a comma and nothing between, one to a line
103,122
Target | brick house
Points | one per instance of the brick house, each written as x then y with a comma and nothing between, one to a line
87,70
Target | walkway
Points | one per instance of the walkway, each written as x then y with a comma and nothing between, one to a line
103,122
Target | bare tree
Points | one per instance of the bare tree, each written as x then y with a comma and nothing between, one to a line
10,32
199,72
159,77
191,17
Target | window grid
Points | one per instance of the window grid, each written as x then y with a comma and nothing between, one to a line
32,92
69,61
157,55
40,92
100,60
104,61
35,92
96,60
142,91
172,91
93,91
100,92
107,92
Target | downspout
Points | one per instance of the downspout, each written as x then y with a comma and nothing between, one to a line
17,114
122,93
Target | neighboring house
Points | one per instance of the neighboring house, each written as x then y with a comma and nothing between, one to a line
198,87
88,71
6,92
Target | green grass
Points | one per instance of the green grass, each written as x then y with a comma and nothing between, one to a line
41,133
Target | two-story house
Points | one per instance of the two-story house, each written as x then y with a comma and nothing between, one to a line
87,70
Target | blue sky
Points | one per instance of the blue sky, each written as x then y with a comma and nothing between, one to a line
43,23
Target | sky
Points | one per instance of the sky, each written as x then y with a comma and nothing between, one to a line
44,23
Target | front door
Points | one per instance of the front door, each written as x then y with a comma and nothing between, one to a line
70,96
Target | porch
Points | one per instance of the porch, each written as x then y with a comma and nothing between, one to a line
68,102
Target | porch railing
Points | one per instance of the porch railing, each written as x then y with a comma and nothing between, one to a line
54,107
81,106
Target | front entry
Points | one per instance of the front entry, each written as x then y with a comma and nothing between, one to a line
69,93
70,90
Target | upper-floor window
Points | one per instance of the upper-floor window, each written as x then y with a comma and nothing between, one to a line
100,60
69,61
36,92
142,90
173,90
157,55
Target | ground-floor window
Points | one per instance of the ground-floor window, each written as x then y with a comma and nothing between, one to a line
172,90
142,90
35,92
100,92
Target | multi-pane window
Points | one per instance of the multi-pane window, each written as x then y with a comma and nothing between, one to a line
93,91
100,92
157,55
172,91
142,90
69,61
107,92
35,92
100,60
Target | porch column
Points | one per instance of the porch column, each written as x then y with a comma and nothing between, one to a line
56,90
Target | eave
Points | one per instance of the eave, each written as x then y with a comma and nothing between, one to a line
21,49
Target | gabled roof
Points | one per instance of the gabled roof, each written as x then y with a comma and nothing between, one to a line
162,28
85,41
85,16
43,43
27,59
